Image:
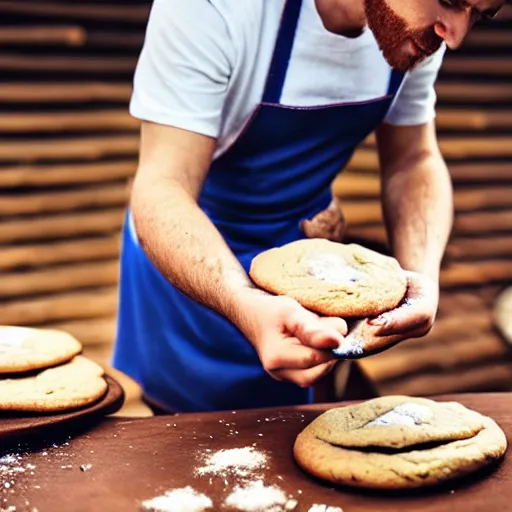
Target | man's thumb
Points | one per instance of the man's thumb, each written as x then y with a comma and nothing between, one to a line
311,331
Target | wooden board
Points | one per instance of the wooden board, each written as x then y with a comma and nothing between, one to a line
13,428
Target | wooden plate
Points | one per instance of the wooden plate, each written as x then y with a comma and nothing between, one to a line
24,425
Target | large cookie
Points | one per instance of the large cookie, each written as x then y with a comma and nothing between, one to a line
398,442
331,278
24,349
69,386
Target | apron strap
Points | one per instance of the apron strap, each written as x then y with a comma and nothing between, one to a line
282,52
395,81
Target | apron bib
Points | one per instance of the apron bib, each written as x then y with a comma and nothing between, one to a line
278,172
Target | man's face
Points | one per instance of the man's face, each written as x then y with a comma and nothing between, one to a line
408,31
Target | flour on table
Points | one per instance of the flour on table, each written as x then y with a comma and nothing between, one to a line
256,497
324,508
240,462
12,466
179,500
408,414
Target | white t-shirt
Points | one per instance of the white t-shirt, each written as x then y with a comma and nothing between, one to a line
204,64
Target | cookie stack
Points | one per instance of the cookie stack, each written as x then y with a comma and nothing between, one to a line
398,442
41,371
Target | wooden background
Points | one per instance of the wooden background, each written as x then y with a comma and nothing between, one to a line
68,148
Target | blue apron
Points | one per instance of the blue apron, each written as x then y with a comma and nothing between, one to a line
185,356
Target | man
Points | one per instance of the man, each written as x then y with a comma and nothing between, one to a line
249,110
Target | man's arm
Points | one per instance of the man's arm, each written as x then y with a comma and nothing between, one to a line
417,196
173,231
417,202
189,251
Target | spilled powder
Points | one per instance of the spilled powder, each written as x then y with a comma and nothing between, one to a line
240,462
408,413
333,269
256,497
18,476
12,466
324,508
352,346
179,500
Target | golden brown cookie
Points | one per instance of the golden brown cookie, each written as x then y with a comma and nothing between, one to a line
68,386
398,442
25,349
331,278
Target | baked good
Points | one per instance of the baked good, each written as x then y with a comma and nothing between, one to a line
398,442
331,278
71,385
24,349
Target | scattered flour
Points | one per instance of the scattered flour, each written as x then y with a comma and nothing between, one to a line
256,497
324,508
240,462
408,413
17,475
179,500
12,466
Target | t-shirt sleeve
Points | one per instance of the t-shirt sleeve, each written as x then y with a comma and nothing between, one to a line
416,100
183,70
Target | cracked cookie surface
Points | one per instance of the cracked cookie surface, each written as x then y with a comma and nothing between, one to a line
398,442
331,278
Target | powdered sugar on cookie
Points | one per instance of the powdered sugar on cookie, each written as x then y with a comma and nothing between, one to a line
333,269
408,414
12,339
352,346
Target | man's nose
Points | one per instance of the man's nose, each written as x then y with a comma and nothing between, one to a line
453,28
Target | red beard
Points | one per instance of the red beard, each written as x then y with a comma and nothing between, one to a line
392,34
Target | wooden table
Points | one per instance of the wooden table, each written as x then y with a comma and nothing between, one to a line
125,461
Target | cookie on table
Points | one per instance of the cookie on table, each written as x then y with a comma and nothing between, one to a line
24,349
69,386
331,278
398,442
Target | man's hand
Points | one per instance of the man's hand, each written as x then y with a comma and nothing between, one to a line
329,224
293,343
416,314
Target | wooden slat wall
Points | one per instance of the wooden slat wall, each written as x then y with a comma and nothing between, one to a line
464,352
68,148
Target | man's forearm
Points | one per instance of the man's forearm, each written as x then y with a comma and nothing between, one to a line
186,247
418,210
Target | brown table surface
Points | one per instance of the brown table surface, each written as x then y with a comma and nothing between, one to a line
136,459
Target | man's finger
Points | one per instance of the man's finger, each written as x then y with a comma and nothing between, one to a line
295,356
407,317
313,332
306,378
335,323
